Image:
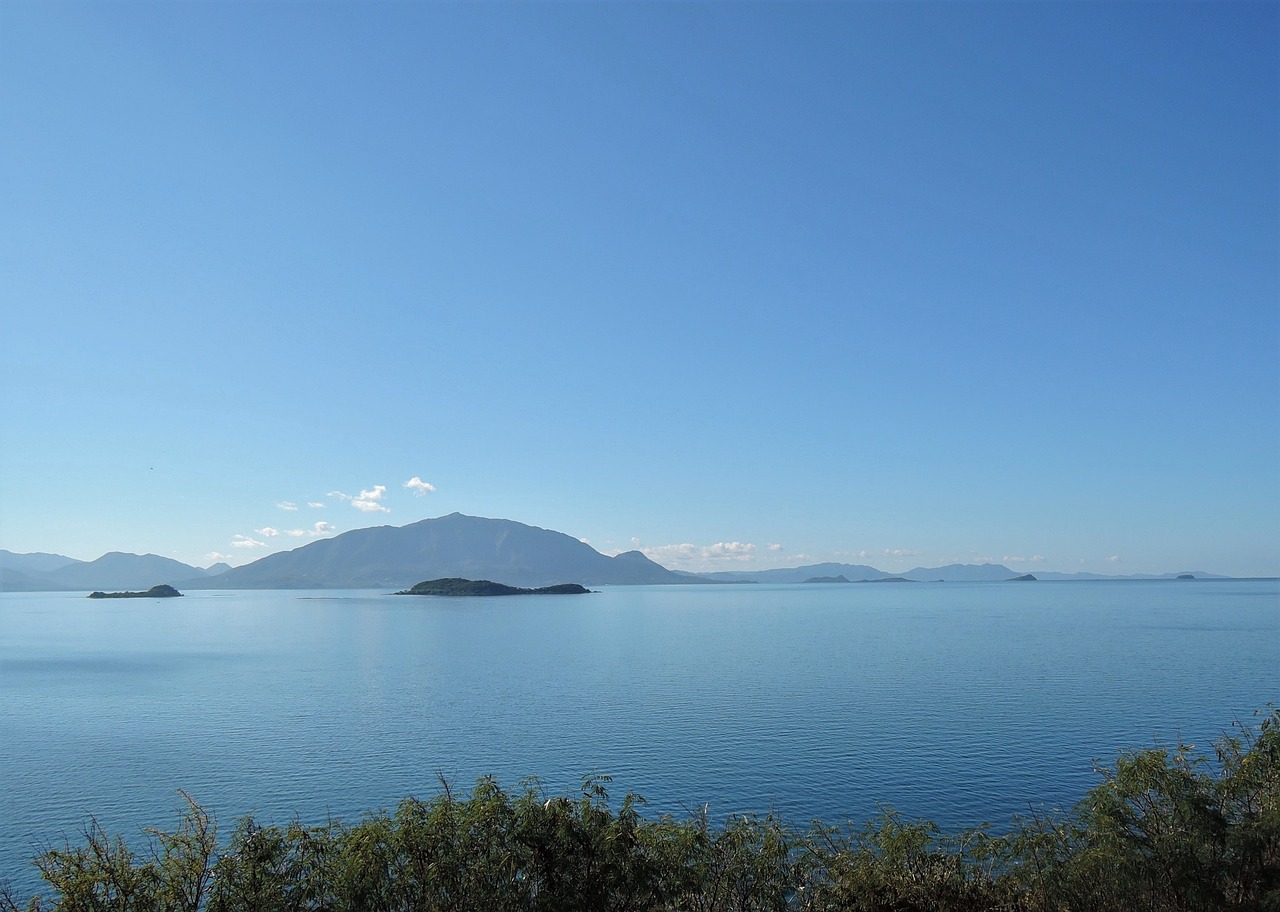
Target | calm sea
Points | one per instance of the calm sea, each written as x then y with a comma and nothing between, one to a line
962,702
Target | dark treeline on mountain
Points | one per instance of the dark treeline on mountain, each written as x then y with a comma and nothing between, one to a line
1166,830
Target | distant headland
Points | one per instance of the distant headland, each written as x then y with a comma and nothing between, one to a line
161,591
453,586
844,579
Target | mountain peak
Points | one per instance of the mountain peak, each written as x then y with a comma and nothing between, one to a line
455,545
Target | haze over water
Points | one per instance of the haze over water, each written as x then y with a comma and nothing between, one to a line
959,702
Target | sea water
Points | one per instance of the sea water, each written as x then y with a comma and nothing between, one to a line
961,702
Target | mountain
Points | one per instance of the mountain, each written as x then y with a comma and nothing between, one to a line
215,569
470,547
857,572
962,573
951,573
17,581
1198,574
115,570
36,562
854,572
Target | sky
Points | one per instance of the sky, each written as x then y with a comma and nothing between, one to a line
741,285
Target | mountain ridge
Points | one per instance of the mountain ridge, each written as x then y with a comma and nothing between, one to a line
455,545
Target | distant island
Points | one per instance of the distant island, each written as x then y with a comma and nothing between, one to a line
844,579
1025,578
161,591
454,586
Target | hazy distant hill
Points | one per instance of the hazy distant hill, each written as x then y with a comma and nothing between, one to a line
1198,574
962,573
36,562
115,570
853,572
949,573
26,572
17,581
857,572
470,547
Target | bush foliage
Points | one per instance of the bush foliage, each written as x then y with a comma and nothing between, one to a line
1165,829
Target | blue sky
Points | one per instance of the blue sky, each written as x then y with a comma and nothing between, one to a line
744,285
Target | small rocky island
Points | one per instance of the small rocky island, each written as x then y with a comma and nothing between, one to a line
828,579
154,592
1025,578
454,586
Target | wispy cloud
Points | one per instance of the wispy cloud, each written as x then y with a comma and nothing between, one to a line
866,554
1115,558
287,505
365,501
315,505
419,487
1033,559
319,529
244,541
267,532
699,557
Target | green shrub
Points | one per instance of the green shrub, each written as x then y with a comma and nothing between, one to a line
1166,830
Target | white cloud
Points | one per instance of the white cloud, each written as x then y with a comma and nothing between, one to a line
883,552
286,505
367,501
699,557
315,505
216,556
243,541
731,549
268,532
320,528
776,547
418,486
1033,559
1115,558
